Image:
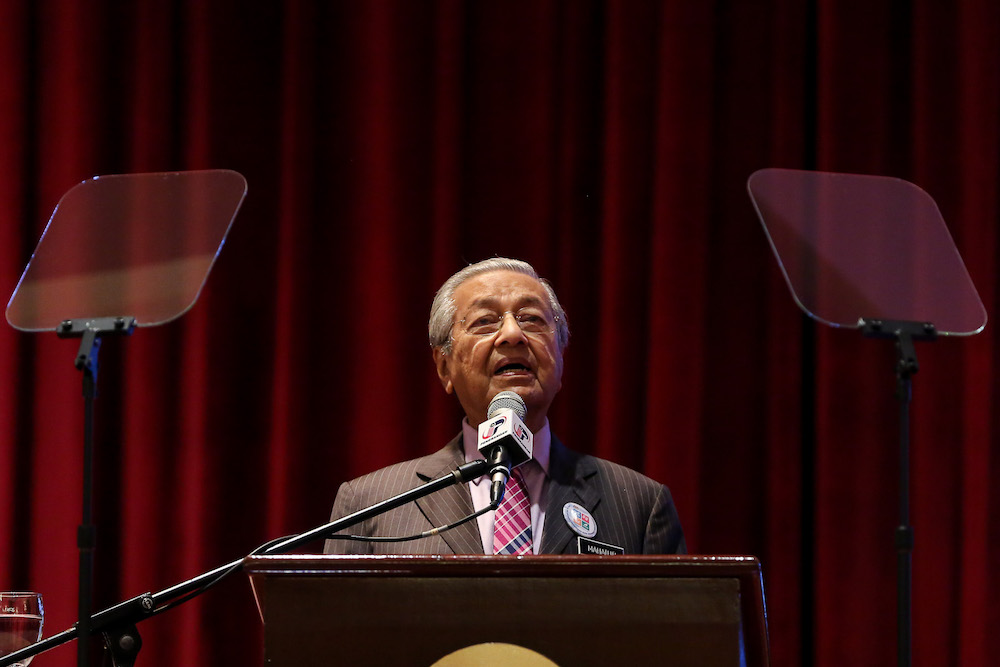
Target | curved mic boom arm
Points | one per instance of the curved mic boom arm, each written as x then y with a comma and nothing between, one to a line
117,623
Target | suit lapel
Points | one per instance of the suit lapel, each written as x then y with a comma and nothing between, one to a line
569,482
452,503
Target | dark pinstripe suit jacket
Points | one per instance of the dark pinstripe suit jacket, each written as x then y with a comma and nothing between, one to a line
631,510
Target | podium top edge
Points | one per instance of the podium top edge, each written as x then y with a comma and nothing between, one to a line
547,565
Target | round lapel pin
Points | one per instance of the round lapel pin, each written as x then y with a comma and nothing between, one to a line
580,520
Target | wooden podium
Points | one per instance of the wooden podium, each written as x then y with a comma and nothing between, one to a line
573,610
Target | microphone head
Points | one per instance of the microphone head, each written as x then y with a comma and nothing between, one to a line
510,401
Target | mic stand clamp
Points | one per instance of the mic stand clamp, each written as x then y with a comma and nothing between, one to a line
124,645
117,626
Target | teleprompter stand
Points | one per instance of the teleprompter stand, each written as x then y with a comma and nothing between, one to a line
119,252
872,253
904,333
90,332
118,623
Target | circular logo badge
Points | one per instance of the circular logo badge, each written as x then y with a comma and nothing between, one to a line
580,520
494,655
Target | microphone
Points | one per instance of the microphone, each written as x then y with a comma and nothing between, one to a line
504,440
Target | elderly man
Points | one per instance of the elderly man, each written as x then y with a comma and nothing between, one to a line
496,326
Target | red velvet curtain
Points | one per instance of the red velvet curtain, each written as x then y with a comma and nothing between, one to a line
387,144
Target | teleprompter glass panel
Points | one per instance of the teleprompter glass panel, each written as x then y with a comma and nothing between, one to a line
855,247
133,245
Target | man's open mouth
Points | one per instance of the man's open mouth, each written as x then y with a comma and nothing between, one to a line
512,368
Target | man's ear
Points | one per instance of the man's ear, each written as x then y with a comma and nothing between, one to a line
441,363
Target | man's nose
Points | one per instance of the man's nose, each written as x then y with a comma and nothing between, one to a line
510,331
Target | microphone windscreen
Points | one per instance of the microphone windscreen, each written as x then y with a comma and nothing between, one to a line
510,401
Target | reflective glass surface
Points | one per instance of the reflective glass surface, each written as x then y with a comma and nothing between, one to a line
134,245
854,246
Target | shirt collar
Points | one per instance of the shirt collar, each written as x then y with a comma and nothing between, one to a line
540,445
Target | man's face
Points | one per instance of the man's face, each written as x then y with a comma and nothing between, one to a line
480,366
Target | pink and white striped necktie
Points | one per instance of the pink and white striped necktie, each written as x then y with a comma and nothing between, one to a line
512,526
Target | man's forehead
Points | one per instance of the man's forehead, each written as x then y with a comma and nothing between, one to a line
500,287
491,300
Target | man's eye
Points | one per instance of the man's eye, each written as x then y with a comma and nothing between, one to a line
484,320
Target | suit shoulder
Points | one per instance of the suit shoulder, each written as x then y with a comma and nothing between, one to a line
404,475
622,474
402,468
631,487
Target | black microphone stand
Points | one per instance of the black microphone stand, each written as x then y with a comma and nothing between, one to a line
118,623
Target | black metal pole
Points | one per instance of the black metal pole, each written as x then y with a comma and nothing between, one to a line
907,365
904,333
86,535
90,332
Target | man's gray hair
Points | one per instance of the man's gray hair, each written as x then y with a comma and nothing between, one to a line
443,308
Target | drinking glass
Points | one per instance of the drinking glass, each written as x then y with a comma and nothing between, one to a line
20,622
